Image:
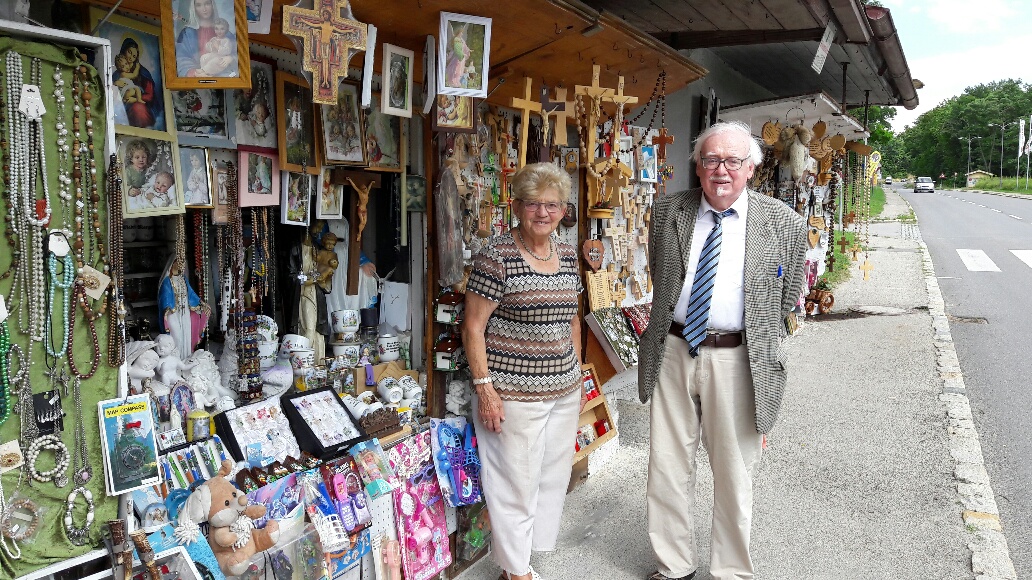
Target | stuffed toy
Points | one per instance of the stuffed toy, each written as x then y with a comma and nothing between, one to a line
795,141
231,534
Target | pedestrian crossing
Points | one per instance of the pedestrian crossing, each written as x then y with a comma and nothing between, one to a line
979,261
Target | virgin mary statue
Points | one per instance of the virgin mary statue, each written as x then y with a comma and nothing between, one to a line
181,312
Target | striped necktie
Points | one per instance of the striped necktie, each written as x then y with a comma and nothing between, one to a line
697,319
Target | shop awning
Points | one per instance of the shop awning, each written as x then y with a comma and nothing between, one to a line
806,108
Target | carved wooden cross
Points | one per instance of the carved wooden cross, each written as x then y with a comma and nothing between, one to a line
327,37
855,249
595,93
661,141
526,106
831,262
867,267
561,110
842,244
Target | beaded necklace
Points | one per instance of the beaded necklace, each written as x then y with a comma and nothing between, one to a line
5,376
61,130
201,241
116,329
5,156
79,296
63,281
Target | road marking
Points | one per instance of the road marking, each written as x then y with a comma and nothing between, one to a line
980,205
977,261
1024,256
1014,216
996,210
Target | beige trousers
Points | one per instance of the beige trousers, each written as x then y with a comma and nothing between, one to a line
525,471
711,394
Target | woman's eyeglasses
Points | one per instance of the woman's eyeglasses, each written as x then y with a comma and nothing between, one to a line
551,207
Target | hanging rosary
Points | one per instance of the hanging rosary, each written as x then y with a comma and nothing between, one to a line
116,295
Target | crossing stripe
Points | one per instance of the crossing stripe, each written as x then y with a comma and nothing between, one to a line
1024,256
977,261
1013,216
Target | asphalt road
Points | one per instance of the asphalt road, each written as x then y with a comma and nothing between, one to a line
972,238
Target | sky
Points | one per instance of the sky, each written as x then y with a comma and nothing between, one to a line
954,44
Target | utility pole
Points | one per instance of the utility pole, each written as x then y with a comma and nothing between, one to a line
1002,126
969,152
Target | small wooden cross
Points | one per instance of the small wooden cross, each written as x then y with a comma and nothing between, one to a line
526,106
327,37
842,244
855,249
867,267
849,218
661,141
619,293
831,263
561,110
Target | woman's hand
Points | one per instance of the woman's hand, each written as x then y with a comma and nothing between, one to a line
492,415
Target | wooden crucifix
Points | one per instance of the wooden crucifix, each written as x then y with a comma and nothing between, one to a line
328,37
867,267
360,203
661,141
560,109
525,106
595,93
843,243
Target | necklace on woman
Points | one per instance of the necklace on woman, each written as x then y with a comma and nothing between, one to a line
551,247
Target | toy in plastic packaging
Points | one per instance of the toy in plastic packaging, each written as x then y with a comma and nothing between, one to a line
322,512
422,525
456,460
347,492
474,531
377,474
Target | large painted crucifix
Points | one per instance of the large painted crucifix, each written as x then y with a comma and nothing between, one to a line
328,34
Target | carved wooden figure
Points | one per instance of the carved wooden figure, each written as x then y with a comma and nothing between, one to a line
363,200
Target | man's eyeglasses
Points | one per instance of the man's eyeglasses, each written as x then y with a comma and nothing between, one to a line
533,206
731,163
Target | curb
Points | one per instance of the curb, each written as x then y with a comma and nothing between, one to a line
999,193
990,555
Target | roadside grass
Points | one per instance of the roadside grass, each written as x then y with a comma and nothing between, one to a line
877,201
1010,185
843,264
908,218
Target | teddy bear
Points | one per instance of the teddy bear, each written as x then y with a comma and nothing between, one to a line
795,140
231,533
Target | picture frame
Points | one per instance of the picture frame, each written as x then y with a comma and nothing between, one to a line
463,55
296,198
589,378
130,451
150,172
648,172
396,96
295,125
342,128
254,110
220,159
415,193
627,155
223,62
454,114
143,104
330,201
194,164
259,16
384,139
259,179
201,117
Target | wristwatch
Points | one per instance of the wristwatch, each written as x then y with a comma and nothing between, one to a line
482,381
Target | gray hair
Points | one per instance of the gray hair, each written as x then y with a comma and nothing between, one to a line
755,150
529,182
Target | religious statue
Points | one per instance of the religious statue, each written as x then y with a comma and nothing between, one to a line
142,361
363,200
181,312
309,304
206,383
170,365
326,261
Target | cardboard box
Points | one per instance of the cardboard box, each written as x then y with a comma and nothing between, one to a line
392,369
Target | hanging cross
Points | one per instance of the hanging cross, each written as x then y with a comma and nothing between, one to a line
842,244
620,98
328,37
661,141
855,249
525,106
595,93
867,267
831,263
560,109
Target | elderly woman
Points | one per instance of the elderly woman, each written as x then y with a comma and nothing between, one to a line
522,339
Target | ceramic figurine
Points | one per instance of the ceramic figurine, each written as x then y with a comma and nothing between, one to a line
206,382
171,366
142,362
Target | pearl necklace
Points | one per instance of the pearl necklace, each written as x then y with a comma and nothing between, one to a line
64,180
76,534
551,247
5,377
64,283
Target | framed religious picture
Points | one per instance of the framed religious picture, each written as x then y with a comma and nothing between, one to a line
195,166
259,16
331,198
415,190
205,44
150,172
259,179
221,159
396,98
627,151
454,114
296,198
463,55
253,110
590,378
384,139
201,117
342,131
295,125
141,103
648,172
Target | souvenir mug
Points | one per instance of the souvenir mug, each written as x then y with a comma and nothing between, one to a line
348,354
389,390
344,321
301,360
296,341
410,387
389,347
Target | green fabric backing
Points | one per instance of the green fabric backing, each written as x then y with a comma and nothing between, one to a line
51,545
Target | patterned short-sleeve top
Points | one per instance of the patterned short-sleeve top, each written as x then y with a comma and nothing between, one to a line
529,339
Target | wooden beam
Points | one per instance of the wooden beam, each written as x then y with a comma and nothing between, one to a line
691,39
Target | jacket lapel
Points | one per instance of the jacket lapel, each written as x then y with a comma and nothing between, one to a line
758,235
686,216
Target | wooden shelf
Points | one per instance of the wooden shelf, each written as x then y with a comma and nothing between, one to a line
143,275
595,410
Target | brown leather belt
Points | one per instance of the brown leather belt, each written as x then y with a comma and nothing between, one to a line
722,340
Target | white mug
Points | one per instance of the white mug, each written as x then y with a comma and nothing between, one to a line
389,390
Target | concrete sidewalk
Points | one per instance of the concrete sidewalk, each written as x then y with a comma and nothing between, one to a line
861,475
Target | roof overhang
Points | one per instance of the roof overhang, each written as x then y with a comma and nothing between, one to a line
807,108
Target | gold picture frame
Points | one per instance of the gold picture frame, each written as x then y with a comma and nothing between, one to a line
296,119
223,61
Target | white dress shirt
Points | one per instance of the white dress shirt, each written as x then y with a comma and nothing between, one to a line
727,308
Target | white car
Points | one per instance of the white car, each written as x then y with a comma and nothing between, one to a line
924,184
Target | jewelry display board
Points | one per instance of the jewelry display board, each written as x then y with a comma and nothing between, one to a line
74,98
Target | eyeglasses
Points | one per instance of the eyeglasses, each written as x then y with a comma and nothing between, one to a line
551,207
731,163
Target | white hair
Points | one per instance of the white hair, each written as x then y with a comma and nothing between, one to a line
755,150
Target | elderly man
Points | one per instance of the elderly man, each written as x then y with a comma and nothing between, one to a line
729,269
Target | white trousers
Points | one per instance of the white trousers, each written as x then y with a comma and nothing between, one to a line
525,471
712,395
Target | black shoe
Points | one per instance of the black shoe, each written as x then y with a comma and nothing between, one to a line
658,576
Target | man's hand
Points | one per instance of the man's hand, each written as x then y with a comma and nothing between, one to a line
491,412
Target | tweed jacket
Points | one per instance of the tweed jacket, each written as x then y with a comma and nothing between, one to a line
775,237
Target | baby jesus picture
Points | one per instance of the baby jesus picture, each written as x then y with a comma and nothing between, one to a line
220,52
148,177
